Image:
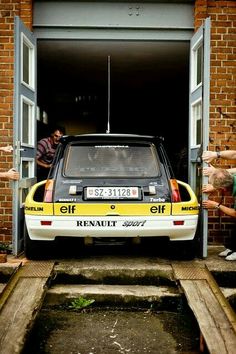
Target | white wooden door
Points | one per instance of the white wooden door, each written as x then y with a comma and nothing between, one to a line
199,119
24,125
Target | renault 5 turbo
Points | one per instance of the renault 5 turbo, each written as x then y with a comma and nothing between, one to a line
110,185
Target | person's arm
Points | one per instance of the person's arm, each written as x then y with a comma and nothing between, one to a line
227,154
8,148
207,171
211,204
12,174
208,156
43,164
208,188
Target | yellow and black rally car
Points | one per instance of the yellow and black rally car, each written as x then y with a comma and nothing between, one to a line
110,185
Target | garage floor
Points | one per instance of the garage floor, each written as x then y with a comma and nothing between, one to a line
116,331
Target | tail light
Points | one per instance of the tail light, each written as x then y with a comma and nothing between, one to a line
178,222
48,191
46,222
175,194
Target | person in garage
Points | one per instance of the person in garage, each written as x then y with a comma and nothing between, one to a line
46,149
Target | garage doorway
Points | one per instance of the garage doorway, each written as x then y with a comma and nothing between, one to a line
149,89
149,49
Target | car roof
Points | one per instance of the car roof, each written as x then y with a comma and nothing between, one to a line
109,137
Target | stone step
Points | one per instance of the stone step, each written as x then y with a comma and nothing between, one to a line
114,294
114,270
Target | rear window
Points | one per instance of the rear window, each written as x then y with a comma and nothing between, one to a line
120,161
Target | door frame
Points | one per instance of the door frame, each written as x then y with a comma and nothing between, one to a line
30,152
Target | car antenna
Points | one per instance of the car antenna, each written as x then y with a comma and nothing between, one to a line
108,93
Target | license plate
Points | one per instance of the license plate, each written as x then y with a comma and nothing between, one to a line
112,193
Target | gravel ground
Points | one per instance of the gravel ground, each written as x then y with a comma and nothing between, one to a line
113,331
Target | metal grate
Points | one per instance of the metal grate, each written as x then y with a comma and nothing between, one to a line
37,269
190,272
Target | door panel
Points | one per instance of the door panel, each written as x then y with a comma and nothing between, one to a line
24,125
199,119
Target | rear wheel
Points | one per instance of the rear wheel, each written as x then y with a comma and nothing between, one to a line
36,249
183,250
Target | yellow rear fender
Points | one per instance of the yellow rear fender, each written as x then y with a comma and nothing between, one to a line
33,189
34,207
190,206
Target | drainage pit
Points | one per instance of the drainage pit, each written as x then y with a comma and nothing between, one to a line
103,329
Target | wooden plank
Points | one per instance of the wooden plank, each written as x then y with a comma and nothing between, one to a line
2,286
9,286
215,326
20,303
16,318
230,313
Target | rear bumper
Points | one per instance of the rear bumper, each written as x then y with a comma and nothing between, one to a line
49,227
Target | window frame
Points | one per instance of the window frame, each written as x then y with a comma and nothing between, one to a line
31,65
31,120
195,61
194,131
25,188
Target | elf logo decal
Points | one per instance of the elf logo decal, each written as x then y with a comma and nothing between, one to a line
160,209
70,209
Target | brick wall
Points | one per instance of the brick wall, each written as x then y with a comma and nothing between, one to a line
8,9
222,97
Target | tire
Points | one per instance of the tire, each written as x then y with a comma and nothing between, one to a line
35,250
183,250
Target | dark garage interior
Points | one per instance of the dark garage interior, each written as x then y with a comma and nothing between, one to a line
149,88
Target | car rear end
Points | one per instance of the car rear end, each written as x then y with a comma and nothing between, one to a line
112,186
